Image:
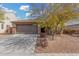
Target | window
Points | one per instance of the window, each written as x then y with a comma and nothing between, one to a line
7,18
2,26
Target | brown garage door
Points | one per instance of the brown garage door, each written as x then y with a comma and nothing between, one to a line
26,29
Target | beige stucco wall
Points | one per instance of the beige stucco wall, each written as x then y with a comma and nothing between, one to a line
9,16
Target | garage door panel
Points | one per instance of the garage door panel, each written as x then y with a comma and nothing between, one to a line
26,29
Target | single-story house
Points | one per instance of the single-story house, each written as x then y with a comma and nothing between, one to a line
25,27
20,27
12,25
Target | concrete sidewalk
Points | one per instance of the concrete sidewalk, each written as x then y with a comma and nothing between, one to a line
19,44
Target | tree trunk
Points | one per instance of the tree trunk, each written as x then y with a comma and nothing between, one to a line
54,32
61,32
53,35
42,41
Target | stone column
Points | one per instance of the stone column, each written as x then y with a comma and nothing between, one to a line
14,29
39,29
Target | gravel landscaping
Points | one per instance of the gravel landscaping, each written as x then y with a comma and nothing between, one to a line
65,44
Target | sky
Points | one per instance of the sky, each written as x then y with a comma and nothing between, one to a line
22,10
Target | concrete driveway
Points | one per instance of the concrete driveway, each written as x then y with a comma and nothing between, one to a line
19,44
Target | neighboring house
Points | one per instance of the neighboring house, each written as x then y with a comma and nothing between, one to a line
72,29
13,26
73,24
6,23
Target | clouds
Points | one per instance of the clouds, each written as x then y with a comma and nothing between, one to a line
27,9
6,9
9,10
28,14
24,7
